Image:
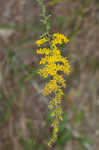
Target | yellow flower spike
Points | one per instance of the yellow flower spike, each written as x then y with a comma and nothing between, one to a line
54,63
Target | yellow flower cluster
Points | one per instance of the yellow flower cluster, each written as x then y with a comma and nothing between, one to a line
43,51
54,63
59,39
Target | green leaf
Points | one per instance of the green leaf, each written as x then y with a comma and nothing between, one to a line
62,139
0,96
33,72
44,9
84,140
63,123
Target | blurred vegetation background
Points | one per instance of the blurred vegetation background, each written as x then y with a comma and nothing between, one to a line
24,117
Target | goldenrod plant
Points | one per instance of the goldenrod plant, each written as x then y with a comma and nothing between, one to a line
54,67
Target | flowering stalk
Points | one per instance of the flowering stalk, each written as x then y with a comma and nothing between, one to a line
54,66
45,18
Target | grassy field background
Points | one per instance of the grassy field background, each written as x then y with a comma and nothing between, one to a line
24,117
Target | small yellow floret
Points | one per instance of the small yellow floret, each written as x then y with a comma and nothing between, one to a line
41,41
